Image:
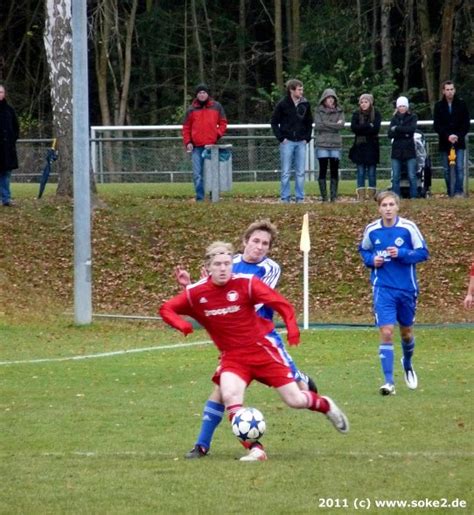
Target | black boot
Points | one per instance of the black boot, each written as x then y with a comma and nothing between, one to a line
323,189
333,186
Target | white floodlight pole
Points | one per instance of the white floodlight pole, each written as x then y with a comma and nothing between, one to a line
81,166
305,246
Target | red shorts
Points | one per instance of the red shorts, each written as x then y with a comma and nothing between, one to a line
262,363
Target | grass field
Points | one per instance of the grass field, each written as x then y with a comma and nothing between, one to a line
107,434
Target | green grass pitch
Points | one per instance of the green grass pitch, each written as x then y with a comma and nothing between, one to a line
108,434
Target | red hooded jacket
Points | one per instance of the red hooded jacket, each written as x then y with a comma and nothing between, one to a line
204,124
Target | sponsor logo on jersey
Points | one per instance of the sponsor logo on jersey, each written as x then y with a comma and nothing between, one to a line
221,311
399,242
202,300
232,296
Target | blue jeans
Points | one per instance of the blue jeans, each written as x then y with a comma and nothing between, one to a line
5,186
292,152
396,173
198,172
362,172
459,172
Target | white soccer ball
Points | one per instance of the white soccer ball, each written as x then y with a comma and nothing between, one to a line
248,424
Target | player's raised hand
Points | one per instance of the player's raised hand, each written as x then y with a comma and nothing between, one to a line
182,276
204,273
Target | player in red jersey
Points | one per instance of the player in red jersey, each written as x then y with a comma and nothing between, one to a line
223,304
468,301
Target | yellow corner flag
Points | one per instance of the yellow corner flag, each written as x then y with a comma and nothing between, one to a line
305,242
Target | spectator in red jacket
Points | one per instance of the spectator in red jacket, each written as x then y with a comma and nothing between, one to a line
204,124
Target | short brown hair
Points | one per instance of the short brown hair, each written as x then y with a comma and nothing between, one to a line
387,193
292,84
261,225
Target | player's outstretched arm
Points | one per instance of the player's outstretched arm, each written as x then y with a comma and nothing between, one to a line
171,310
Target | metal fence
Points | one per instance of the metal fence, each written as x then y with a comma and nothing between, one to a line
156,154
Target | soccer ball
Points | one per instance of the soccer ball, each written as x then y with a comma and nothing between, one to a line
248,424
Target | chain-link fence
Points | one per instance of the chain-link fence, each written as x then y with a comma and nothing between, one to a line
156,154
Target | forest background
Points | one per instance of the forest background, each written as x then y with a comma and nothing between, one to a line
146,57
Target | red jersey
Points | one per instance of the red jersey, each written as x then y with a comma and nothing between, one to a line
228,312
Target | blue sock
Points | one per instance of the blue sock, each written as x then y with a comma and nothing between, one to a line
211,418
408,349
386,360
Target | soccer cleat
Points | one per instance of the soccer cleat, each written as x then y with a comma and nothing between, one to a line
337,417
411,379
198,451
387,389
312,385
255,454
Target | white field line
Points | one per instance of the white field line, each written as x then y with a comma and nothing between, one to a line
329,454
107,354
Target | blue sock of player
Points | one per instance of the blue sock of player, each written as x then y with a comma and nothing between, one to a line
386,359
211,418
408,349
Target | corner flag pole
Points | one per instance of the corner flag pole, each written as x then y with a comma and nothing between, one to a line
305,246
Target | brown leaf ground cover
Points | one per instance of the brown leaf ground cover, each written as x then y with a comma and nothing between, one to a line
137,240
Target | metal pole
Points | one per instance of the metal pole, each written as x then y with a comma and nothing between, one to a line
81,166
215,190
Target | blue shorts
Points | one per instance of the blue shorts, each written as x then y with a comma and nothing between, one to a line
392,306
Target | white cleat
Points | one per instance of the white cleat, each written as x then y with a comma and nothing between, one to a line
387,389
255,454
337,417
411,379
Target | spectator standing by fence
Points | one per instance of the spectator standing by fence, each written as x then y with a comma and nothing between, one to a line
365,151
292,125
328,123
451,122
9,132
204,124
401,132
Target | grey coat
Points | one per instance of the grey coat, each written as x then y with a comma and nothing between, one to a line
326,127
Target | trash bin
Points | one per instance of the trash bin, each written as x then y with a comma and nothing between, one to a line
217,170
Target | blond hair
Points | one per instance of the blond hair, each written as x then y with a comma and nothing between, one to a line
218,247
384,194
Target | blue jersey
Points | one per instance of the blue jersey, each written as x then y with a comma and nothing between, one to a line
266,270
398,273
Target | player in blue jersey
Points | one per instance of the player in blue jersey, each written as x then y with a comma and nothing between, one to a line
391,247
257,242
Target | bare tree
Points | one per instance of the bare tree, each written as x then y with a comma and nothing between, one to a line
408,43
197,39
427,45
295,54
447,24
278,46
385,36
58,46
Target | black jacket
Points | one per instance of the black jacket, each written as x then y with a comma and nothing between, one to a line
9,132
292,122
366,149
401,131
446,123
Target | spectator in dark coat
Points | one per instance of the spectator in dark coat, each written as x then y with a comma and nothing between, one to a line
401,131
365,152
451,122
9,132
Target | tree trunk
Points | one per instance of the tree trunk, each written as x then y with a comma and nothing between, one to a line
212,45
278,46
427,48
197,39
447,23
185,58
408,44
385,37
295,55
58,45
241,107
